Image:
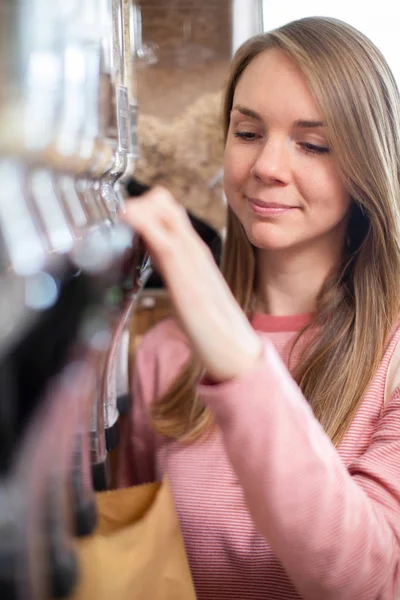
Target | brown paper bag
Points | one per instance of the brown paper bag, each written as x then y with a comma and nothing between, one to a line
136,552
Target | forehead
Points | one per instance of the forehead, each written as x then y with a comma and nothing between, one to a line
273,85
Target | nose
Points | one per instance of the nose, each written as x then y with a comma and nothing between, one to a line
272,163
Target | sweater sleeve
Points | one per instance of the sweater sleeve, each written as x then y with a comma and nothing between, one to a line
335,530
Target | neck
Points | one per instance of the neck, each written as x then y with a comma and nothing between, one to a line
289,283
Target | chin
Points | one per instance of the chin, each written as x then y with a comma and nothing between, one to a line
266,237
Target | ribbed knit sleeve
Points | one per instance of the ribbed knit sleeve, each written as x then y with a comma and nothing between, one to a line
336,530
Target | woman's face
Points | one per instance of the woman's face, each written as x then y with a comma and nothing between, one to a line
281,179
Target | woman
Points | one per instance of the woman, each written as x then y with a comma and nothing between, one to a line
287,485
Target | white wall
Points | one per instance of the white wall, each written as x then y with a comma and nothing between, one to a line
378,19
246,21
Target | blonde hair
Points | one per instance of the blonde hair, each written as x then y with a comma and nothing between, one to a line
359,304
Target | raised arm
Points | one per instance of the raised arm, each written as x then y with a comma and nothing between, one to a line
336,531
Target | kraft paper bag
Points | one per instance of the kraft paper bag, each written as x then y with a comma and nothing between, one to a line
137,551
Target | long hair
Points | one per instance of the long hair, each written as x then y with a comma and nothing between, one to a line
359,303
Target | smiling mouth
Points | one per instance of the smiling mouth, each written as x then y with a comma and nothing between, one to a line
269,209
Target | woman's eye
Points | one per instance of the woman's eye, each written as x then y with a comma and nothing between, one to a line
248,136
314,149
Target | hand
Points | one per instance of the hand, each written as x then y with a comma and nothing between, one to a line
215,324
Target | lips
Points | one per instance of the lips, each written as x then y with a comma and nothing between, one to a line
269,209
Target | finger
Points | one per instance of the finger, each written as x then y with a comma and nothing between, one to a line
161,205
167,231
174,259
148,219
154,210
155,236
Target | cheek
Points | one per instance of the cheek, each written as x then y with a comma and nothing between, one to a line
326,194
236,168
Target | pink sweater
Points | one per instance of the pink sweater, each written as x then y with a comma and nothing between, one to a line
269,509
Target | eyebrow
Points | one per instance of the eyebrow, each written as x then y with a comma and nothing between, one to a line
301,124
248,112
309,124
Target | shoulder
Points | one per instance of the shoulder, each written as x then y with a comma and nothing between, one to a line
161,354
391,361
386,378
395,334
392,344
